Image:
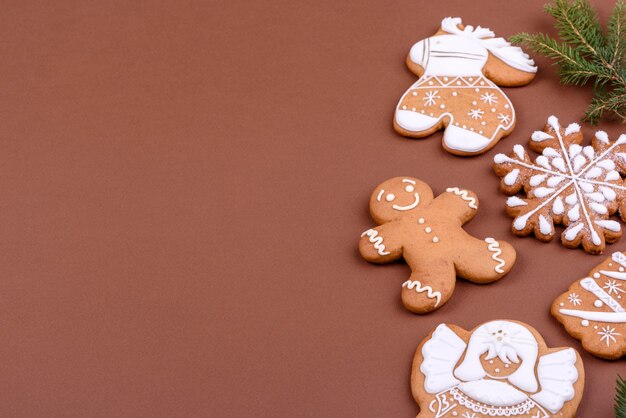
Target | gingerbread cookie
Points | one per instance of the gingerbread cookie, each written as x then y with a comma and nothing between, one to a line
460,69
593,310
579,187
499,369
428,233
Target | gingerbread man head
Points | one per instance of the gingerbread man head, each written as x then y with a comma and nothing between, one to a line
398,197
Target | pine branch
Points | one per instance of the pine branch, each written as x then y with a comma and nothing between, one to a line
586,54
620,398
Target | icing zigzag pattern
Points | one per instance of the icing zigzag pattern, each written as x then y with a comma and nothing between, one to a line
376,240
464,196
409,284
494,247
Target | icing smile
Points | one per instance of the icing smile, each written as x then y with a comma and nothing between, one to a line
408,207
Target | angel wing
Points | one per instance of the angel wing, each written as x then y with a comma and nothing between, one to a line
441,353
557,374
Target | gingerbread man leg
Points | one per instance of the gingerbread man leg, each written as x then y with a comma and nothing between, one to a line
427,290
483,261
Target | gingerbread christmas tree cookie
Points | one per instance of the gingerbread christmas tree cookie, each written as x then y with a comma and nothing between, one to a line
428,233
577,186
593,310
460,69
499,369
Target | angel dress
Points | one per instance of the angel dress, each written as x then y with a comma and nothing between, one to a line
536,387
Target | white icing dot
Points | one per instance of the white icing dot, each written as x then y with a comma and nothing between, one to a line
435,239
428,229
497,370
390,197
457,123
584,323
493,109
490,361
430,83
420,220
445,79
483,123
443,106
431,114
474,103
471,79
422,111
596,275
409,188
621,269
454,413
506,365
414,93
404,107
597,304
610,264
477,90
464,126
480,132
595,327
454,93
482,83
562,304
472,129
458,83
506,106
413,109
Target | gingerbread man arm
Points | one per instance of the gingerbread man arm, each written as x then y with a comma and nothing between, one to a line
381,244
457,203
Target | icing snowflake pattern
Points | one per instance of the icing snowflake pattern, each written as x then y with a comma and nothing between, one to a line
574,299
612,286
476,114
429,100
608,335
489,98
569,184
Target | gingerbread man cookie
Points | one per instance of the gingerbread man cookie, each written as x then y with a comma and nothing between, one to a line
460,69
428,233
593,309
499,369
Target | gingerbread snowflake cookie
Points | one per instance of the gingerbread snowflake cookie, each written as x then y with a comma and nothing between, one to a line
499,369
593,310
460,69
428,233
577,186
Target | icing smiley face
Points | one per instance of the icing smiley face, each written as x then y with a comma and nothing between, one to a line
398,197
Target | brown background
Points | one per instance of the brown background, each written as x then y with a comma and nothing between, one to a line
183,185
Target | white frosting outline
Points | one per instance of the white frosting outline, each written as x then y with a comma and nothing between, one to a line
417,285
463,194
377,240
494,246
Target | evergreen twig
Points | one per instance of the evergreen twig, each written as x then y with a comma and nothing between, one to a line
587,53
620,398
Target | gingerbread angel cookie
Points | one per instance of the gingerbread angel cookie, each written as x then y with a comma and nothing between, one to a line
593,310
577,186
460,69
428,233
499,369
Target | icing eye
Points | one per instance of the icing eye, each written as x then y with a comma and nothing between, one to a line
390,197
409,188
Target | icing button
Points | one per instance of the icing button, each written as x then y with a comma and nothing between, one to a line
420,220
596,275
597,304
435,239
414,93
428,229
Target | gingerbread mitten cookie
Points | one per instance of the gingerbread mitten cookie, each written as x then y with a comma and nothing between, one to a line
428,233
499,369
460,69
593,309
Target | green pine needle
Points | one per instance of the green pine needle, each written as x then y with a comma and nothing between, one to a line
620,398
586,53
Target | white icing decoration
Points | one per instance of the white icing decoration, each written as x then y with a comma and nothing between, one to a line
591,286
493,392
408,207
571,233
542,191
515,201
508,341
572,128
619,258
557,374
464,195
540,136
545,227
376,240
415,284
441,354
511,178
584,323
494,247
519,151
537,179
597,304
557,206
610,225
614,274
602,137
613,317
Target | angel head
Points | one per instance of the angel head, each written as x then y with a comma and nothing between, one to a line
463,51
399,196
511,344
